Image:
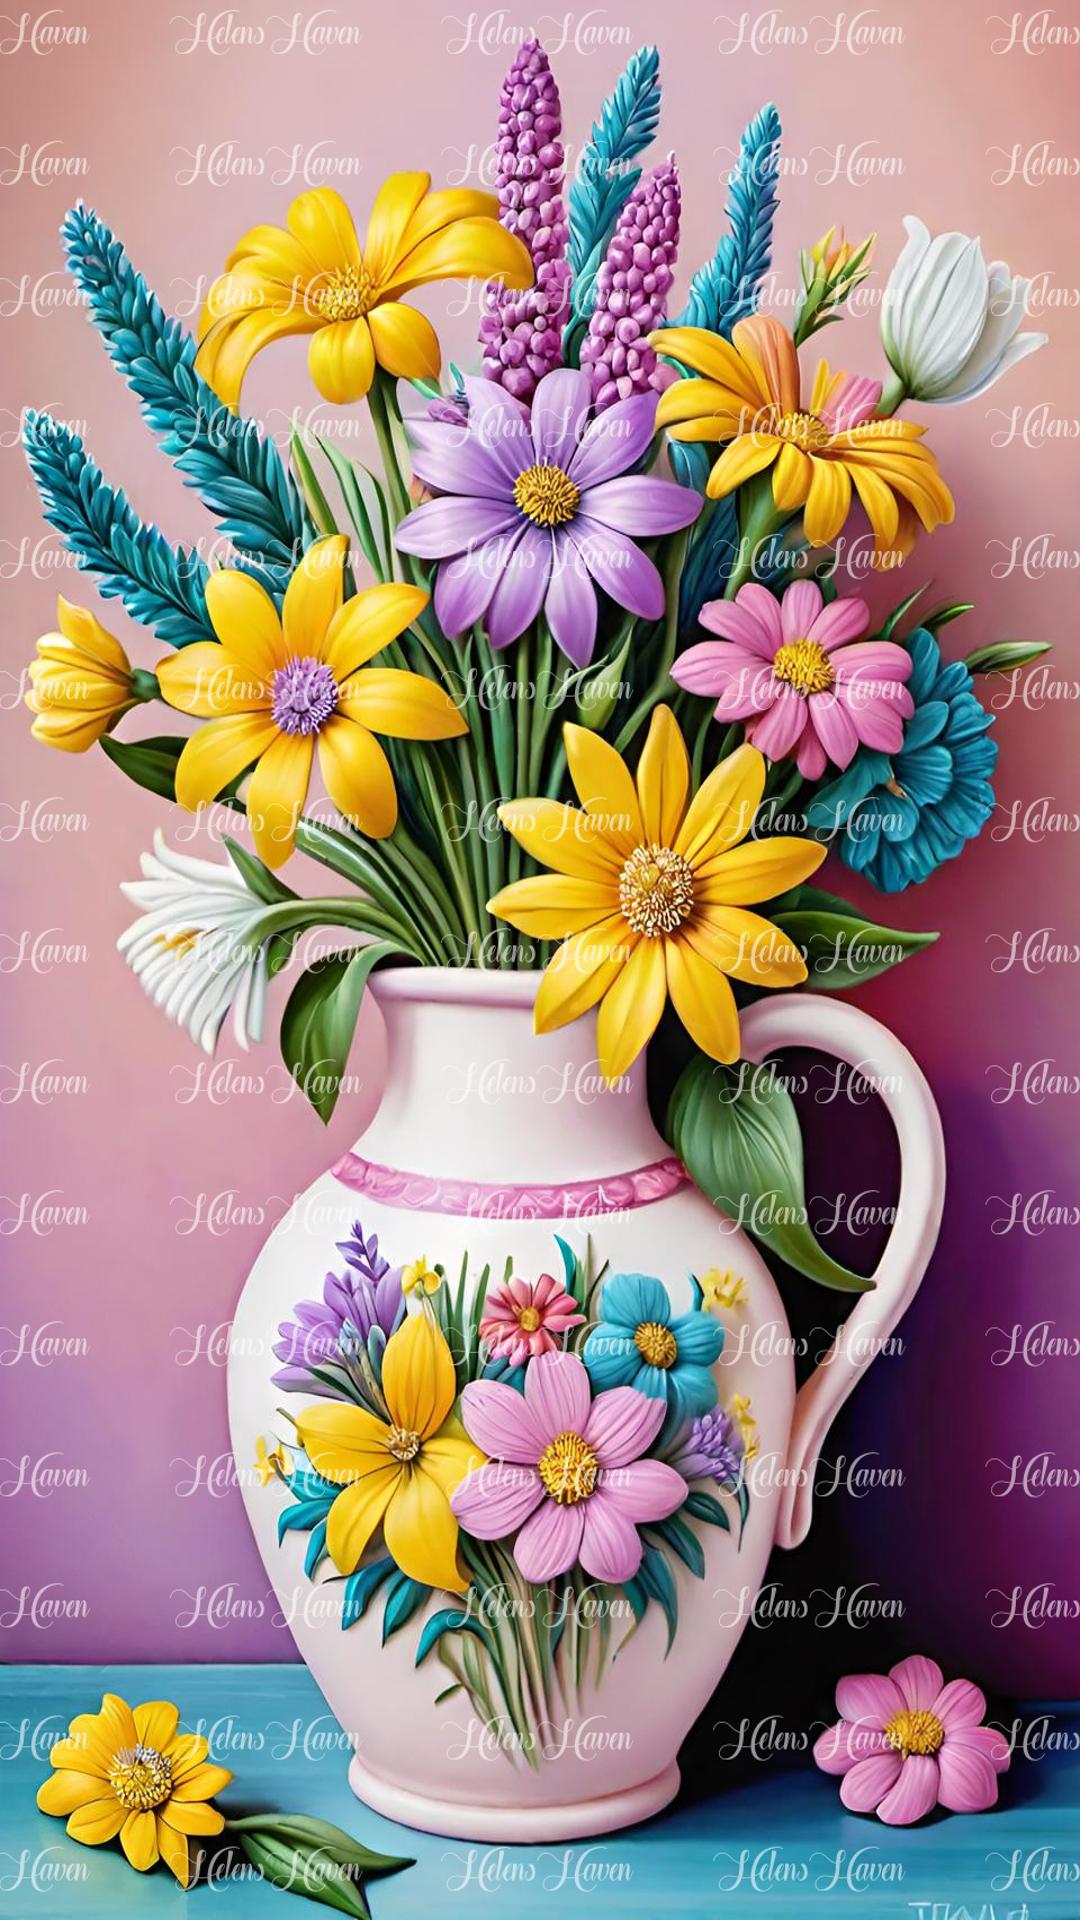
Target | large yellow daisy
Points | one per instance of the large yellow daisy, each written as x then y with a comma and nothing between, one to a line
651,889
275,689
750,396
398,1472
316,277
127,1771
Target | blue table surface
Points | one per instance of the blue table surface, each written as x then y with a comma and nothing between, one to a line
777,1843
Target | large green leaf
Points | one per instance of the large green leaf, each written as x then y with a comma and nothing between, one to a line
841,946
150,763
320,1017
739,1137
1005,656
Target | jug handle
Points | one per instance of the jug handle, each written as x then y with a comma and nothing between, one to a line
838,1028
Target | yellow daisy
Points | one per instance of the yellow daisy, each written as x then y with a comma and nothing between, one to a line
651,889
80,683
316,277
127,1771
279,688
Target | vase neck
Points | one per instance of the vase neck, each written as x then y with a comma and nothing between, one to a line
472,1093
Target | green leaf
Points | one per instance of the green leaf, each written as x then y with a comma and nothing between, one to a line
682,1542
659,1583
314,498
449,1620
403,1597
843,949
705,1506
256,875
355,506
151,763
361,1587
321,1833
320,1017
739,1137
599,695
1004,656
898,613
941,616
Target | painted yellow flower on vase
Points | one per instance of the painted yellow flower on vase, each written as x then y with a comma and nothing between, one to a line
419,1274
80,683
128,1771
316,277
725,1290
649,890
398,1472
744,1419
750,396
268,1464
275,690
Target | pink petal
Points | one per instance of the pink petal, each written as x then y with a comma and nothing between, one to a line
968,1780
495,1499
840,621
834,727
801,605
810,755
713,666
989,1741
558,1397
776,731
549,1541
855,398
501,1421
842,1746
878,723
610,1547
545,1287
868,1699
919,1680
917,1790
765,607
742,621
622,1424
960,1704
869,1781
872,660
520,1292
646,1489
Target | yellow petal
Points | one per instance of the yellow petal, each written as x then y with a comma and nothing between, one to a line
367,623
87,634
192,1816
313,597
879,503
232,343
792,478
562,838
138,1837
828,502
421,1532
746,946
201,1783
357,1512
631,1008
449,1456
418,1379
703,1000
395,204
714,412
205,680
757,870
217,754
550,905
246,622
357,776
723,808
581,972
750,453
442,207
604,787
65,1790
403,705
342,1442
276,795
86,1748
769,352
476,249
663,779
156,1723
405,341
341,360
187,1753
117,1721
97,1821
74,732
322,223
174,1850
707,354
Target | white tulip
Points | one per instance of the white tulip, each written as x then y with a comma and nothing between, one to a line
948,321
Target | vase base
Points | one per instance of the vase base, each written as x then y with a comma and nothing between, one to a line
522,1825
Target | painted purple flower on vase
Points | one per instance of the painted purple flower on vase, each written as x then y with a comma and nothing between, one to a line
366,1300
788,669
711,1448
565,1469
905,1743
540,506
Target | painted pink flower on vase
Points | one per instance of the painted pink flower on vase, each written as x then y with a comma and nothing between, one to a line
905,1743
524,1318
565,1469
797,673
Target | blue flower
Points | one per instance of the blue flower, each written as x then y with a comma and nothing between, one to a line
903,817
638,1342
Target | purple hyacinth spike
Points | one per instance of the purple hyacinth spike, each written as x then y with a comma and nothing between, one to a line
521,333
353,1306
711,1450
631,291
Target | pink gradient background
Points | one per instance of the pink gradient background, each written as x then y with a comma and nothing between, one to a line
932,113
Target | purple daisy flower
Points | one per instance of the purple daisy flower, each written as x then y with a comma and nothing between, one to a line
540,506
368,1300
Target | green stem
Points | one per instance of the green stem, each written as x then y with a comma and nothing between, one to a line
383,407
894,395
672,568
761,521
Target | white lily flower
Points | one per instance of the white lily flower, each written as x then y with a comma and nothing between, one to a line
949,323
196,947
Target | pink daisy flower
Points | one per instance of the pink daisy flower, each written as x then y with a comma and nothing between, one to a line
566,1469
524,1318
788,669
905,1742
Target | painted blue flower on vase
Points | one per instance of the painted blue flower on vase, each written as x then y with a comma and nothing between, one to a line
638,1342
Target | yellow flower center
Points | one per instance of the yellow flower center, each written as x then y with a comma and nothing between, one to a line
403,1444
547,495
528,1319
180,942
656,890
805,666
656,1344
803,430
568,1468
345,294
141,1778
920,1732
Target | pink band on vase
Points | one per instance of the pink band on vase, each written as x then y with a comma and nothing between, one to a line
577,1199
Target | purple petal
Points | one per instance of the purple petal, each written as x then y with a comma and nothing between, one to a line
800,608
915,1792
500,424
834,727
968,1780
840,621
960,1704
453,460
623,1423
452,524
610,1546
499,1420
549,1541
557,1396
570,607
919,1679
639,504
753,620
615,441
778,729
520,588
646,1489
623,571
869,1781
559,410
495,1499
463,588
